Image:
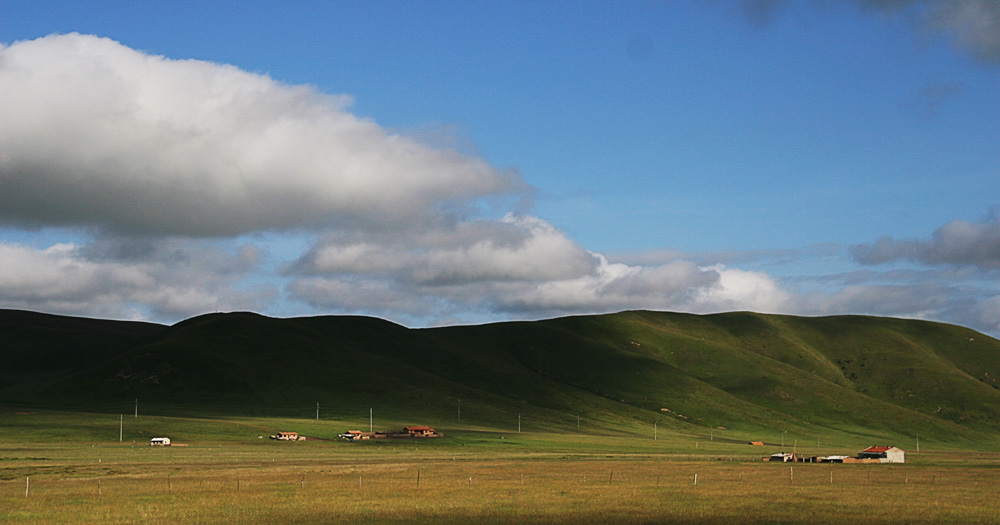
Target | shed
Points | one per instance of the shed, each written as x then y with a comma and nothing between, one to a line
159,442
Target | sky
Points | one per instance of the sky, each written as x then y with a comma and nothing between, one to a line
437,163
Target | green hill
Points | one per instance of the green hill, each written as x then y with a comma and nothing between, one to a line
750,374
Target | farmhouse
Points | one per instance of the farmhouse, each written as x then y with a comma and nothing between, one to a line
419,431
159,442
883,454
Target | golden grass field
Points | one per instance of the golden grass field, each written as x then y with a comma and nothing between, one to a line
533,478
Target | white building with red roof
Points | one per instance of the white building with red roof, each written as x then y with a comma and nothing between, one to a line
419,431
883,454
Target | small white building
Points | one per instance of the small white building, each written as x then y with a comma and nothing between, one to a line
159,442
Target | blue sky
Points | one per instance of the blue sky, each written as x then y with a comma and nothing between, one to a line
447,162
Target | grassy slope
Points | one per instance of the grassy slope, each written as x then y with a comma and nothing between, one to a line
38,350
750,373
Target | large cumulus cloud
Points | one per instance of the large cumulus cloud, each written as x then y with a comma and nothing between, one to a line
97,134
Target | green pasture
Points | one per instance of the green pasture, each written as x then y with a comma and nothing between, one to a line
71,467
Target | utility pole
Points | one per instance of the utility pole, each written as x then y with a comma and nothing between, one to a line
519,423
654,430
371,420
137,408
121,426
317,411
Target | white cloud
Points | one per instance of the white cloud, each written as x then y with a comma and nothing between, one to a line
743,290
175,280
612,287
918,300
983,315
515,248
519,265
606,287
97,134
956,243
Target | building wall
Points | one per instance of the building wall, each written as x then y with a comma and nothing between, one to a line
894,455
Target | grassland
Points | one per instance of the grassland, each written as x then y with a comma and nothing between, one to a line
608,418
70,467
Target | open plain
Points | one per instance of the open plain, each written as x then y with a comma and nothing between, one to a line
52,469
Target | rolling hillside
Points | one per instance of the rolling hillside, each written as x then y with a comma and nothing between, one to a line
747,373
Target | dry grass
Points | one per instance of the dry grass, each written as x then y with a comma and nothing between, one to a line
70,483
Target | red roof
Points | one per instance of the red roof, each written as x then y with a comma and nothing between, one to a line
418,429
876,449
